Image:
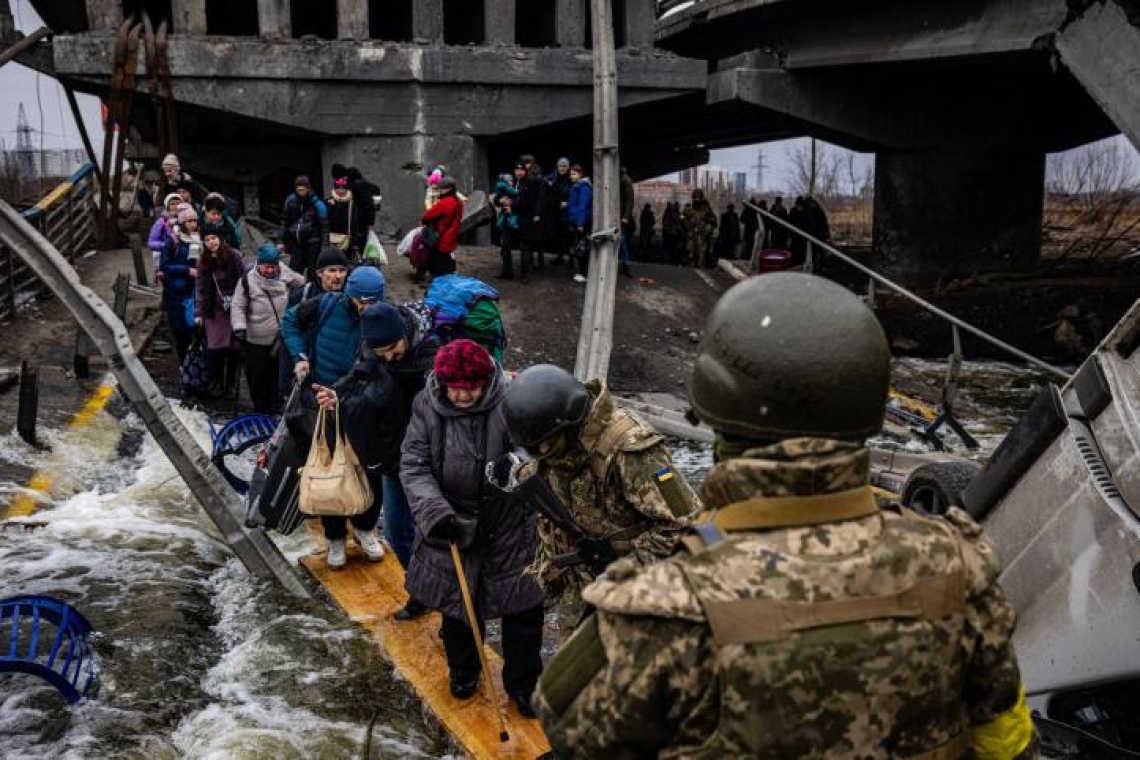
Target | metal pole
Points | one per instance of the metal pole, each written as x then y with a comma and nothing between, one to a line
943,314
24,44
70,93
596,337
254,548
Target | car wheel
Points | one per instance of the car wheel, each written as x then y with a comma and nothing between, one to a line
934,488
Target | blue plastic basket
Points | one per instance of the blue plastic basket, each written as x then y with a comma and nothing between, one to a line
28,623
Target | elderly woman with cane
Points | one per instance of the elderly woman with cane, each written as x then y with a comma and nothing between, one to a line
457,427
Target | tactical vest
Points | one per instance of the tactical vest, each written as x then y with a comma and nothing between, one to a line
857,654
624,434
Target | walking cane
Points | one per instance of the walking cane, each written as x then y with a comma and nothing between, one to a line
503,735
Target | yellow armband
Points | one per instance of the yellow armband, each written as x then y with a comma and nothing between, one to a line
1006,736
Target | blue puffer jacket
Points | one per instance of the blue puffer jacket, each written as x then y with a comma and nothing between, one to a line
327,331
177,284
580,208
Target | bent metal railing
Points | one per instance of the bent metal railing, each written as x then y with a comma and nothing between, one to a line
815,244
66,217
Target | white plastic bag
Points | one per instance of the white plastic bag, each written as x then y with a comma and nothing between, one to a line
373,251
406,244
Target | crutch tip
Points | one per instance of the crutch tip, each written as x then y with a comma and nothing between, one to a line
504,737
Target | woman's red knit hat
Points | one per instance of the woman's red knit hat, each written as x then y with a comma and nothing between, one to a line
463,363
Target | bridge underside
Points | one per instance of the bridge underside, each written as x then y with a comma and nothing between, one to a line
960,102
392,110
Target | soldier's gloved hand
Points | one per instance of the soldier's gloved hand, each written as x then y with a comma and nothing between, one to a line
598,553
499,470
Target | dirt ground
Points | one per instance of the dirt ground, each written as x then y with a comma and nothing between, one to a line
658,319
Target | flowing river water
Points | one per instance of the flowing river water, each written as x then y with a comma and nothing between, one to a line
197,659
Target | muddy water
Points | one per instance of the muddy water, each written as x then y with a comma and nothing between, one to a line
200,661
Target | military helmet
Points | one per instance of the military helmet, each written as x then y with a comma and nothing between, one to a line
787,355
541,401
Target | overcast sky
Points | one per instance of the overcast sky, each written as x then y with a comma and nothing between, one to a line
46,105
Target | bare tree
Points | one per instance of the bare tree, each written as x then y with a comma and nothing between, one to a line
815,172
1093,173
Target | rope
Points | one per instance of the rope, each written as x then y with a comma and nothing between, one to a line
942,314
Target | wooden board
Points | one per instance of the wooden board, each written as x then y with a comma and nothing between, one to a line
371,593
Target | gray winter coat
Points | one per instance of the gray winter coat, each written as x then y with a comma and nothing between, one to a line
259,309
442,473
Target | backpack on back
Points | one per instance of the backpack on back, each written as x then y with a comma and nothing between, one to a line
464,307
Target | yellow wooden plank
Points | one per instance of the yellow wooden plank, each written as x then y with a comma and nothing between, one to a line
371,593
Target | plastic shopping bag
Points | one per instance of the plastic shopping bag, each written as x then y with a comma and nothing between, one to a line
373,251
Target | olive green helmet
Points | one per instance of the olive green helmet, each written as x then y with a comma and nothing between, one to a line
786,355
541,401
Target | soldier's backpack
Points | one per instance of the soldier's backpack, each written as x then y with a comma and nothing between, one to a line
465,307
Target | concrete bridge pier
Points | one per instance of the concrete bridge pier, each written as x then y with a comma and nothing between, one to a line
945,214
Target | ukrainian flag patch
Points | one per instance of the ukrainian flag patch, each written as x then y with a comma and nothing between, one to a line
665,473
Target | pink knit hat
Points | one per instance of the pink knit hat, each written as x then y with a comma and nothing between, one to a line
186,212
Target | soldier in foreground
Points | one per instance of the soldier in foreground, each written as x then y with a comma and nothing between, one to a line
800,620
608,487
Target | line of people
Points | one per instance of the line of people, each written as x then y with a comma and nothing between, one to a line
539,213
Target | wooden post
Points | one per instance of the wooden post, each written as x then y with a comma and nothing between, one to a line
140,260
122,294
596,337
80,363
29,402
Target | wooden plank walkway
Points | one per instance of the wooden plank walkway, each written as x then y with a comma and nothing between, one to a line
370,593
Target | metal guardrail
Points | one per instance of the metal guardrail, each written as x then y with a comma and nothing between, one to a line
66,217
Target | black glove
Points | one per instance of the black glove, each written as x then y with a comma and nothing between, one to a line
458,530
597,552
240,335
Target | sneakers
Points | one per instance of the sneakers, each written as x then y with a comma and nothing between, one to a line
579,279
370,545
337,554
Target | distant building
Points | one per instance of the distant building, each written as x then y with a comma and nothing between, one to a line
657,191
711,179
34,164
740,183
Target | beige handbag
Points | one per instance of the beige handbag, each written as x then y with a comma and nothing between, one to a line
333,483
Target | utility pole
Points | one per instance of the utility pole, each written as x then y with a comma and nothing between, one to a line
596,337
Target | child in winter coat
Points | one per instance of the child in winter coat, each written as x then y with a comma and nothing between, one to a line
163,227
177,268
580,213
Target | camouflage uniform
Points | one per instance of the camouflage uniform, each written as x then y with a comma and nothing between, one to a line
618,481
700,226
878,636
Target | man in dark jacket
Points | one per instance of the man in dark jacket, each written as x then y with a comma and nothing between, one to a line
456,428
646,222
304,229
728,237
557,200
779,231
174,179
800,218
750,220
402,339
323,338
628,224
529,206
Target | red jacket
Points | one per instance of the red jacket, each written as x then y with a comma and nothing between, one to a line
444,216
